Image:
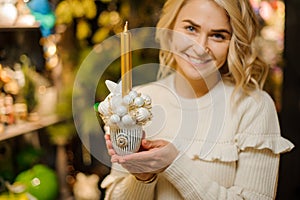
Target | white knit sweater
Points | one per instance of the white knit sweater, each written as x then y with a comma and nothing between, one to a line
227,151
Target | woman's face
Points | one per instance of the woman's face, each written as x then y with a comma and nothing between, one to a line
201,39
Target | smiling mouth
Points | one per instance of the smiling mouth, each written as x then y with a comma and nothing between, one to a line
197,61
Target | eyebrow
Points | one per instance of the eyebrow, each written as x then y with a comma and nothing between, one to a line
213,30
222,31
191,22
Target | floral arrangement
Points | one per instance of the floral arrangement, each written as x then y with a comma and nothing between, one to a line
124,111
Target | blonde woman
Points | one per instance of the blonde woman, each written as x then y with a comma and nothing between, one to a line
217,135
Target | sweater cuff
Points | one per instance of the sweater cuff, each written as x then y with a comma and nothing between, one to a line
140,189
183,166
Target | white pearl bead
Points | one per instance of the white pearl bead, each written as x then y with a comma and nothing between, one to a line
121,110
142,114
127,120
114,119
133,94
127,100
139,101
147,99
103,108
116,101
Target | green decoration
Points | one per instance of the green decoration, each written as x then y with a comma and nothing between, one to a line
40,181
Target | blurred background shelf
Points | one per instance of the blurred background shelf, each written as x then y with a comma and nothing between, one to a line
27,127
17,27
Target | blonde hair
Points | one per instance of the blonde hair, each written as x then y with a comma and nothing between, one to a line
245,69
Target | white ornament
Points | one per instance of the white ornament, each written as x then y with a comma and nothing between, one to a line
121,110
8,14
124,113
142,114
103,108
147,99
127,100
127,120
133,94
115,102
114,119
113,87
139,101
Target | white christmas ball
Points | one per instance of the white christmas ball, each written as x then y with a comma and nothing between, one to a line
133,94
127,120
114,119
115,102
142,114
103,108
139,101
8,13
147,99
127,100
121,110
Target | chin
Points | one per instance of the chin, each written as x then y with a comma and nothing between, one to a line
191,73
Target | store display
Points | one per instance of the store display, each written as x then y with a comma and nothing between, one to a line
27,61
11,82
14,98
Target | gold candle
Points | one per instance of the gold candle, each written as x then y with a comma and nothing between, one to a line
126,63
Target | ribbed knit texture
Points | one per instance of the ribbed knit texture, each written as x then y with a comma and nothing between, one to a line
225,153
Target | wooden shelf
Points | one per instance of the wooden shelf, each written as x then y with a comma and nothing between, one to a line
18,27
26,127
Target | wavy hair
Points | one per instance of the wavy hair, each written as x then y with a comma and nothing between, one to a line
244,67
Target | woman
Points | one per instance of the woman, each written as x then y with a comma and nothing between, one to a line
217,137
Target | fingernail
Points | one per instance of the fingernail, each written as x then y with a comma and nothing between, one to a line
113,159
122,160
145,142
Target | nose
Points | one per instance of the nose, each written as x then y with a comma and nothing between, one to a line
202,40
200,45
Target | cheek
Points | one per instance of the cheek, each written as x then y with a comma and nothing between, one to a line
220,53
180,61
180,42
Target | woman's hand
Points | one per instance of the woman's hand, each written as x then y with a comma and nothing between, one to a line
154,157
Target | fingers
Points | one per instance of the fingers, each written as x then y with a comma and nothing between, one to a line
144,135
109,146
107,137
148,144
108,142
114,159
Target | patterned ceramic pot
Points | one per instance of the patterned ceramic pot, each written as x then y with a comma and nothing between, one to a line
126,140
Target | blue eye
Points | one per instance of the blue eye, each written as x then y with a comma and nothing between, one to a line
219,36
190,28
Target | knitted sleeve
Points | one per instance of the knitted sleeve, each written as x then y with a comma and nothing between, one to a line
259,126
256,178
122,185
257,143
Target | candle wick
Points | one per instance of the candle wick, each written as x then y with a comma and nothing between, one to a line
126,26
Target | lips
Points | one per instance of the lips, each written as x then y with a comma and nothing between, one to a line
196,61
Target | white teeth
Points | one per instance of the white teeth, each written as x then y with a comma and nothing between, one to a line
197,61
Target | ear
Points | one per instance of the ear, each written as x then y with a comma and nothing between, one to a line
115,88
111,85
118,88
80,176
94,178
